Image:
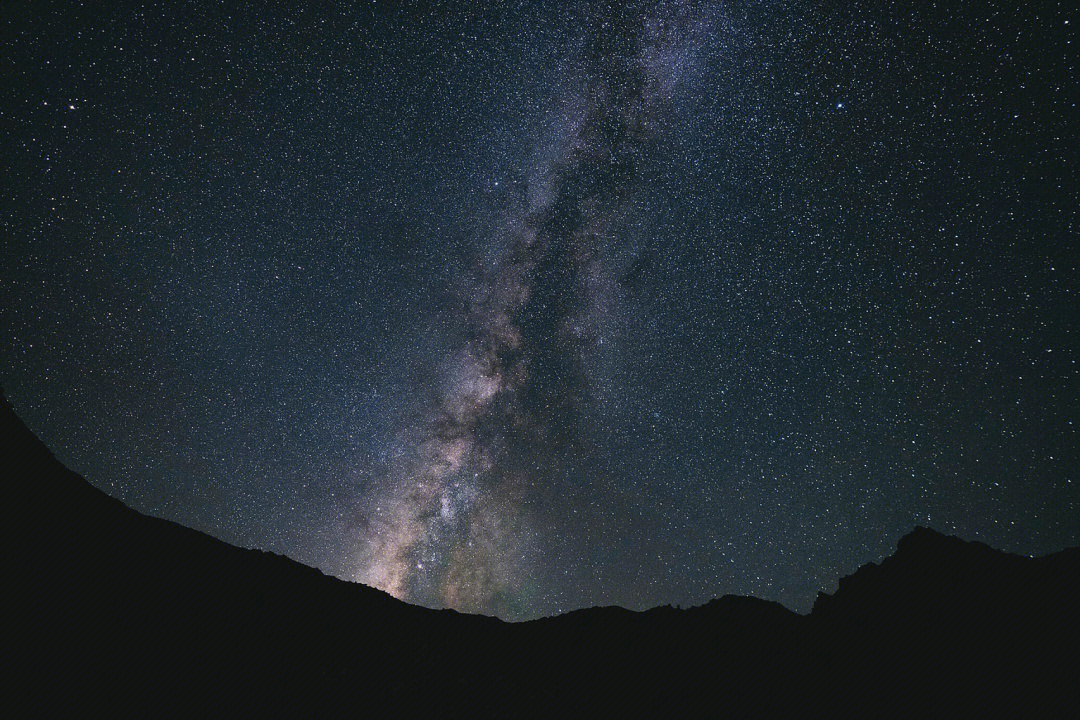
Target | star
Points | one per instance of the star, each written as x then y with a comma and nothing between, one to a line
521,310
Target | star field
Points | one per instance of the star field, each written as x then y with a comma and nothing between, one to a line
518,308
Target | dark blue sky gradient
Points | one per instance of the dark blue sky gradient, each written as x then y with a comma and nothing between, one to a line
532,308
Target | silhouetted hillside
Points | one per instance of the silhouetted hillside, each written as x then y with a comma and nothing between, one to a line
115,609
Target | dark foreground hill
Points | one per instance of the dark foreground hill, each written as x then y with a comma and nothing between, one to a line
113,609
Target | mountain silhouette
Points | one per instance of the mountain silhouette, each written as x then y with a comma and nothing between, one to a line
117,611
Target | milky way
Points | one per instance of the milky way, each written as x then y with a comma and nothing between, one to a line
452,525
535,306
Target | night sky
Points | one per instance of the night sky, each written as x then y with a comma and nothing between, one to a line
523,308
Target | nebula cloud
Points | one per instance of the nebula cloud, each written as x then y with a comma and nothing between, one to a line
451,525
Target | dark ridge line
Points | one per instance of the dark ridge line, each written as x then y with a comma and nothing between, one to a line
919,536
119,611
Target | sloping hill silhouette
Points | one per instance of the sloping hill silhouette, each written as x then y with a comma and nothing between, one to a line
113,609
